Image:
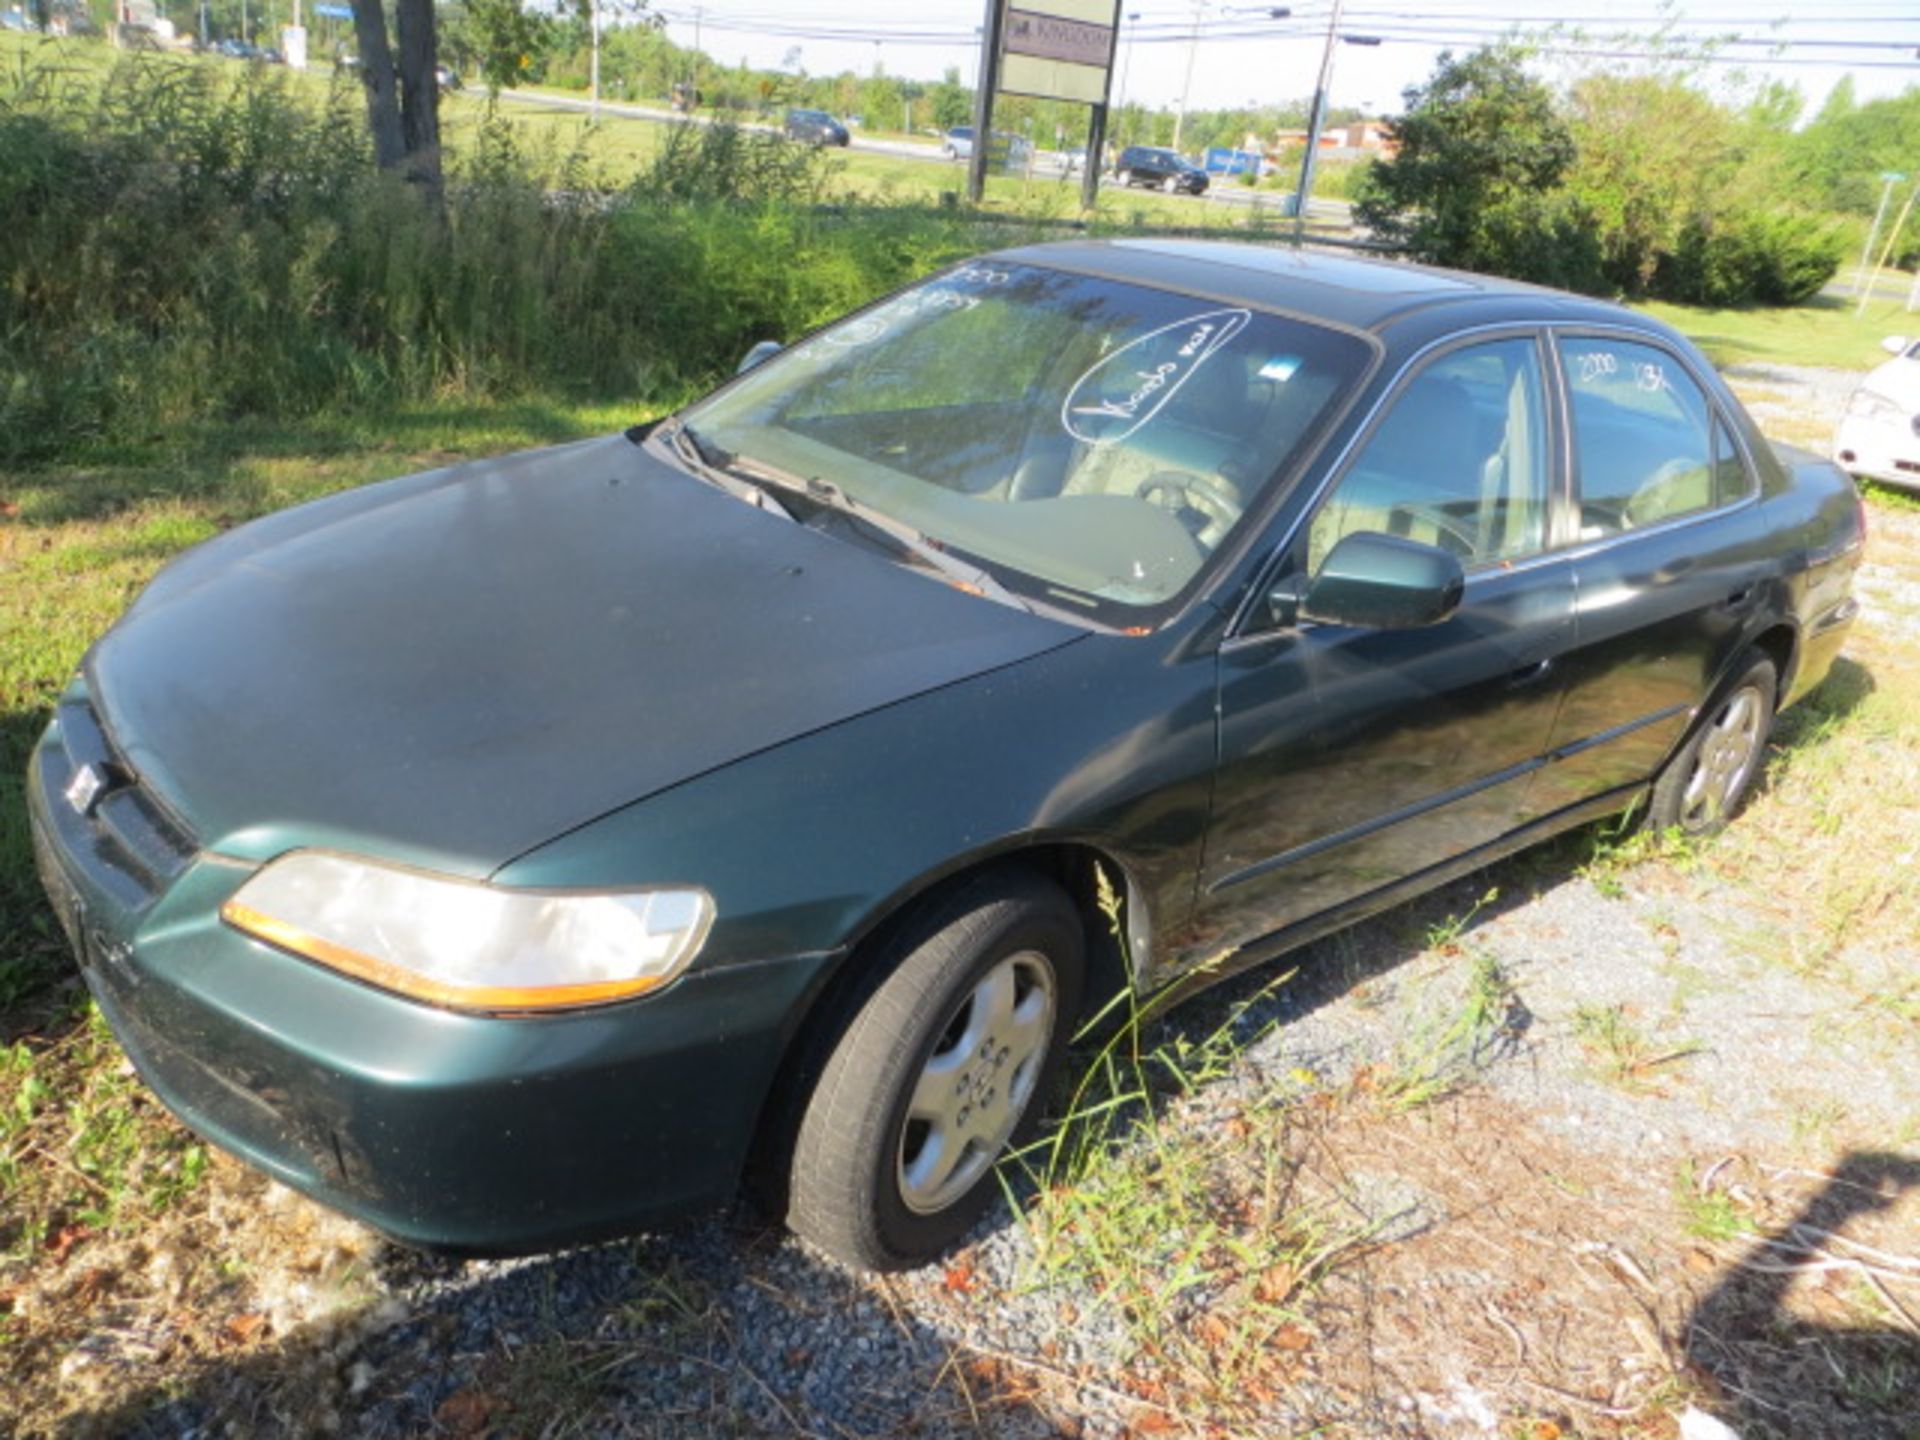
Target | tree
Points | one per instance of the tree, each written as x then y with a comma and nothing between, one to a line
403,101
952,102
1481,151
1653,154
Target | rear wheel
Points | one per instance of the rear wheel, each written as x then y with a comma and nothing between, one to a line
1705,784
945,1066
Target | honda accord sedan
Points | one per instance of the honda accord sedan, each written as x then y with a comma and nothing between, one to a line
526,851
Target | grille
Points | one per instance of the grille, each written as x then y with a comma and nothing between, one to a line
140,846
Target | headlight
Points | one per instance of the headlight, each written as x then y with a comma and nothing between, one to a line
1871,405
468,945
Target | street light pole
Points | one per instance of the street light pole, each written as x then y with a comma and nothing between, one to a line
1888,179
1315,120
1193,48
1126,64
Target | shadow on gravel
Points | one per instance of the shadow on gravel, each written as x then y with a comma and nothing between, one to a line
1781,1375
706,1331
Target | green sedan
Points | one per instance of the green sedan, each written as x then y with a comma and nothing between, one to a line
524,852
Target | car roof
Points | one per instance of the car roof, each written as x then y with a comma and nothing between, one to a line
1354,291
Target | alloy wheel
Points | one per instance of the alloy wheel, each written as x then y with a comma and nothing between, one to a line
977,1083
1729,748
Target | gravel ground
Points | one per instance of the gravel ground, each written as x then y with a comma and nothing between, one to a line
727,1327
1801,404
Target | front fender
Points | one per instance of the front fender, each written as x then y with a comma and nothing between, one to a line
807,846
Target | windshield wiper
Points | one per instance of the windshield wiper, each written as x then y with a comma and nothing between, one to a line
721,464
904,538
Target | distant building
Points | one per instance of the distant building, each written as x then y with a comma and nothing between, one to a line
1362,140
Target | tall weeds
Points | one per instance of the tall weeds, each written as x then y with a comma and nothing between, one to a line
185,242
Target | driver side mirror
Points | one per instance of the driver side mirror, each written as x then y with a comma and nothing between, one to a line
758,353
1375,582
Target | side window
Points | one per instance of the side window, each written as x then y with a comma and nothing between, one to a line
1730,479
1460,461
1641,437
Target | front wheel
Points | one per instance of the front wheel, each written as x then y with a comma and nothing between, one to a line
1705,784
944,1067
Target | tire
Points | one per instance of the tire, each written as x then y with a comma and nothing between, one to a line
1710,777
881,1187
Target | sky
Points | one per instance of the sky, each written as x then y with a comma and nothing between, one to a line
1244,55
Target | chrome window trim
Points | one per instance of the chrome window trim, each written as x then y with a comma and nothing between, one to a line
1716,413
1534,330
1561,404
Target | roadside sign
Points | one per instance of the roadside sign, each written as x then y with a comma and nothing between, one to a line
1892,177
334,12
1058,49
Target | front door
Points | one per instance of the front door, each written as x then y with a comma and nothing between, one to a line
1352,758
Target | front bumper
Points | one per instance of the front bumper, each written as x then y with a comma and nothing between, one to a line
468,1133
1884,450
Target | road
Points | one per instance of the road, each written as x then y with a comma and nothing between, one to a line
1046,163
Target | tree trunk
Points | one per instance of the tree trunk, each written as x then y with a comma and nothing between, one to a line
403,101
419,92
376,73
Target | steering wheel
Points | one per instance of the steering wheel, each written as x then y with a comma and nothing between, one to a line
1214,503
1455,533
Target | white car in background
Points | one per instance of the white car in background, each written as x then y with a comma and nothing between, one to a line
1879,437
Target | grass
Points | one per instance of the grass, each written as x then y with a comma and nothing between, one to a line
1621,1047
1824,331
1708,1212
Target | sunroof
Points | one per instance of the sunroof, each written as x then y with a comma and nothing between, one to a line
1373,277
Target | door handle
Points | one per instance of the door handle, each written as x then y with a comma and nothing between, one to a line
1742,597
1530,674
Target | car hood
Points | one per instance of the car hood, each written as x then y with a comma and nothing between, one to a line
455,667
1898,380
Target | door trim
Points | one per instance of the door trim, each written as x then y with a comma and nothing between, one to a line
1377,823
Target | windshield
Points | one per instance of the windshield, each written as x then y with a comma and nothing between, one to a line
1088,442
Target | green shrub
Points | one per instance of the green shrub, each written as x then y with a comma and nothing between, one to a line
1767,257
188,242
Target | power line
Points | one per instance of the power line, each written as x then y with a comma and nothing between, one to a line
1545,35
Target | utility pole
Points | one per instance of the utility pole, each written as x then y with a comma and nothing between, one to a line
1888,179
1315,120
593,23
1193,48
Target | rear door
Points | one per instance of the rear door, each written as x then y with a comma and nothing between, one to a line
1670,560
1352,758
